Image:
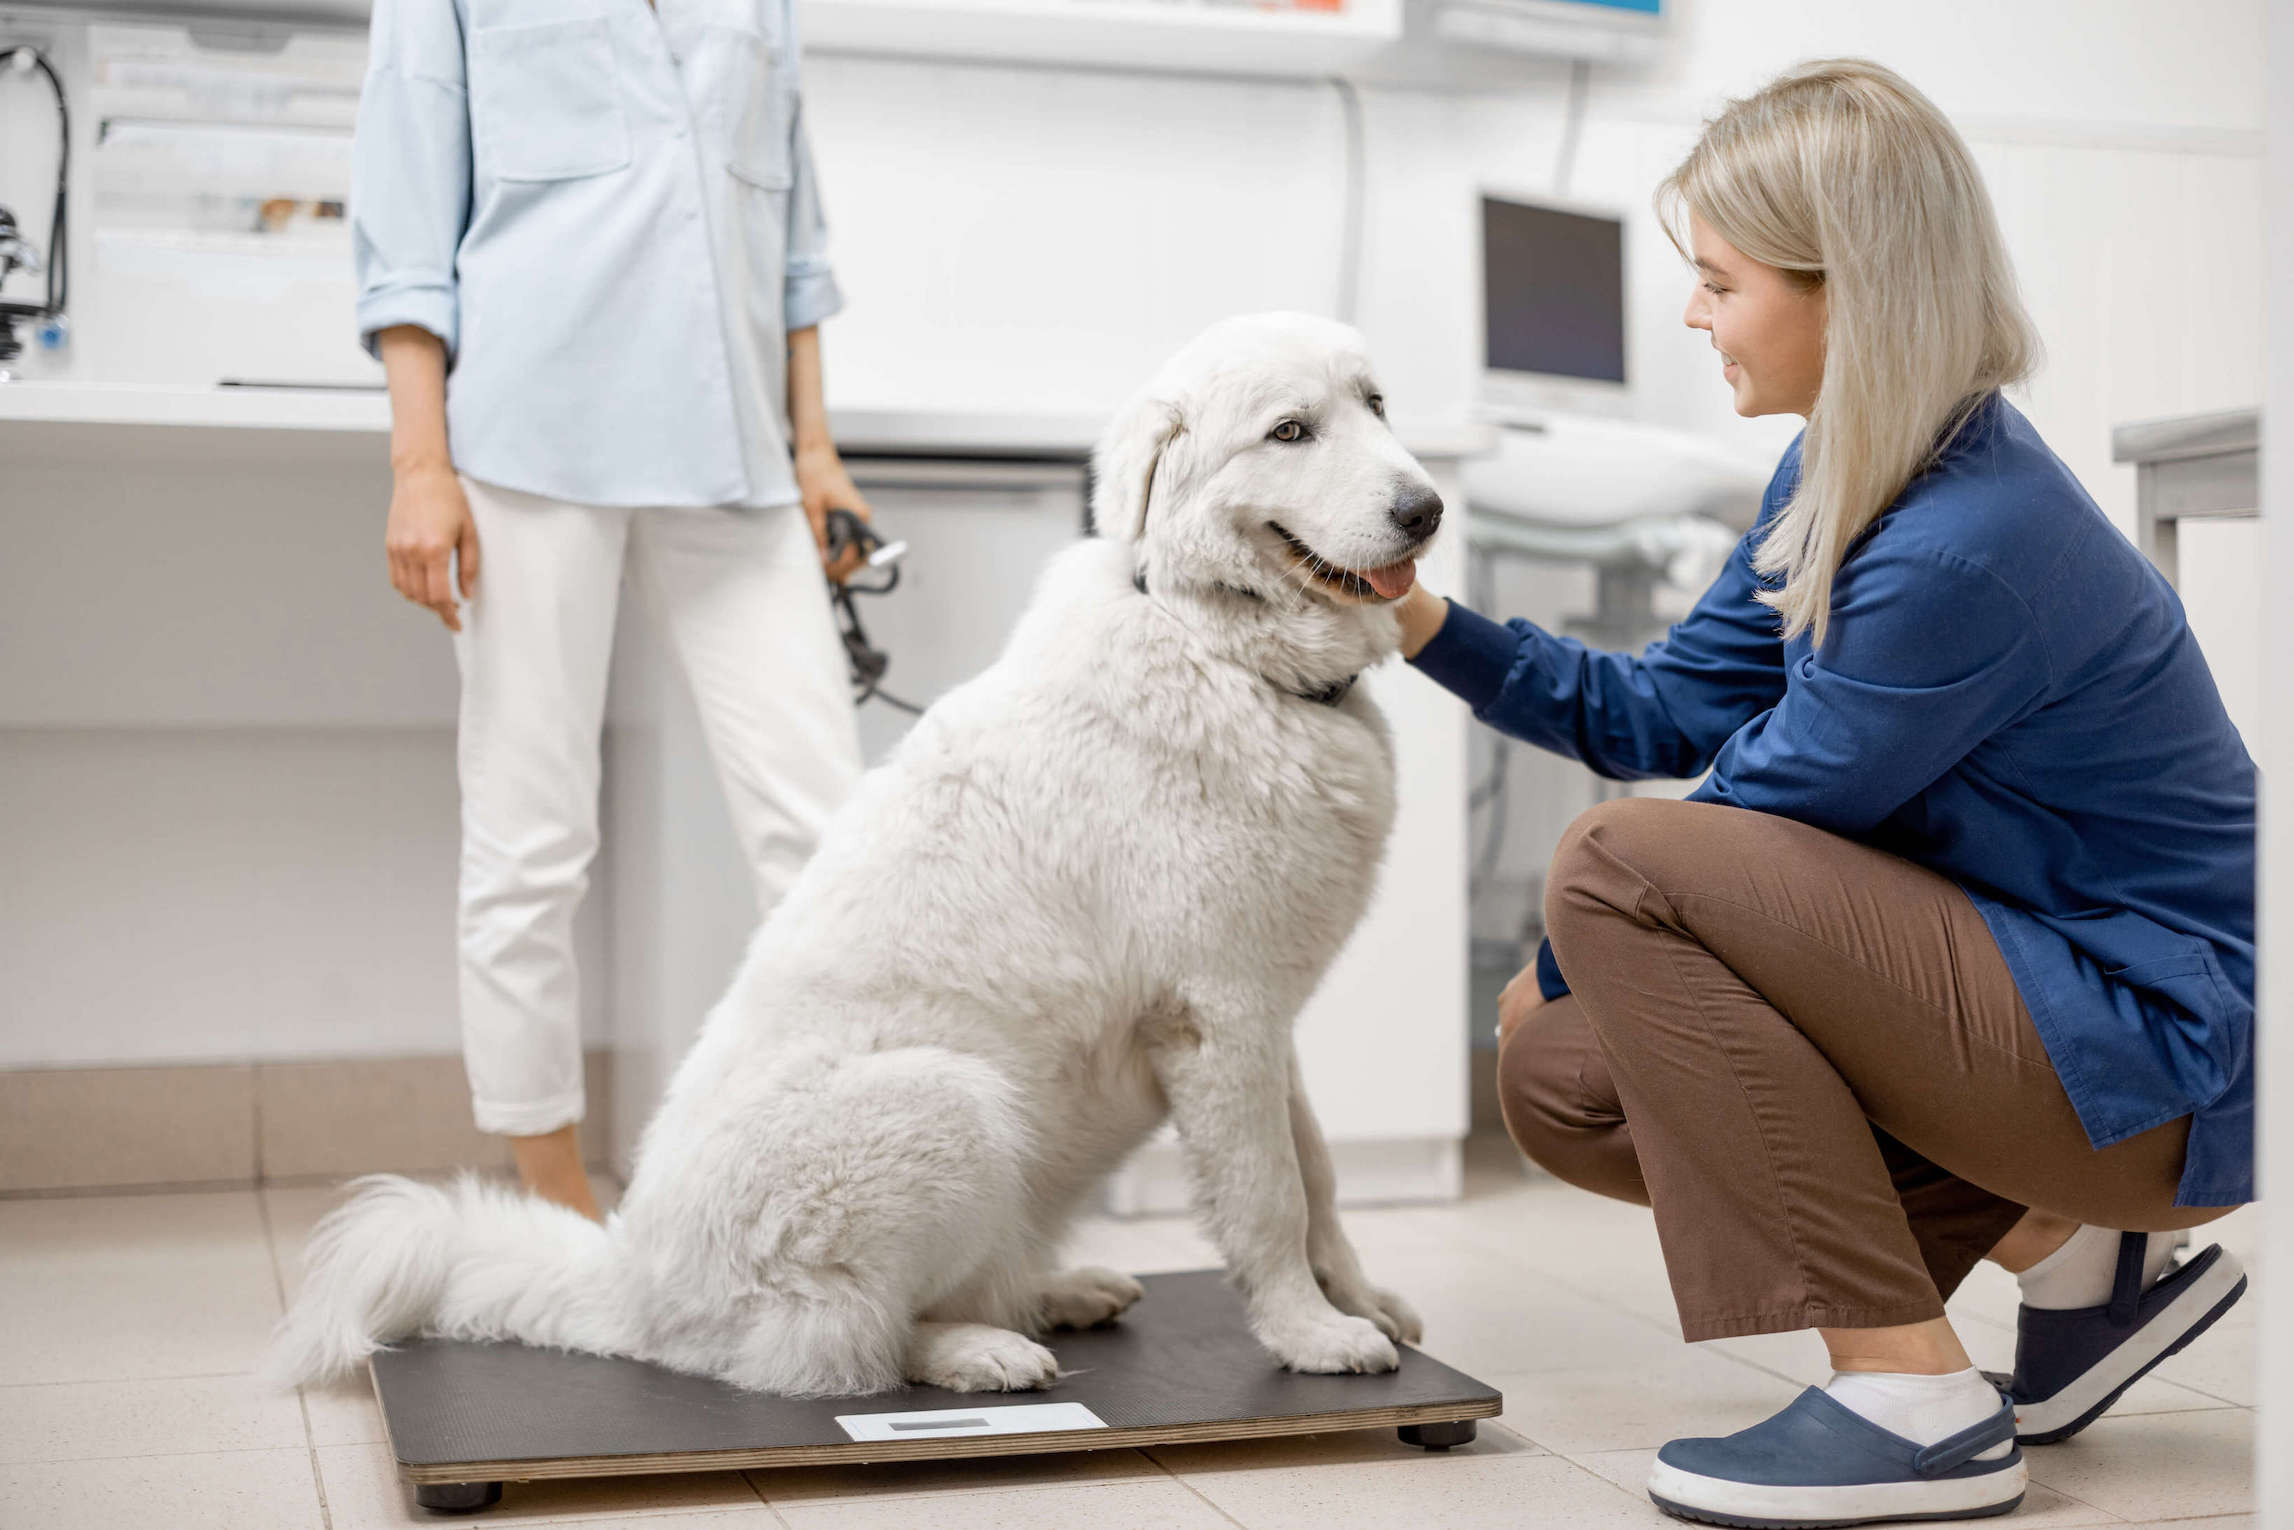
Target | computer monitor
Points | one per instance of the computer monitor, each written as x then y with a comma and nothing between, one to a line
1553,307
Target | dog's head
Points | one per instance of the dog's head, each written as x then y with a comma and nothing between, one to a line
1259,459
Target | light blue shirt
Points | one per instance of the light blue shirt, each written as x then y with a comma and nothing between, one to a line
609,214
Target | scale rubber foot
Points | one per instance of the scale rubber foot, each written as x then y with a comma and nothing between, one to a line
457,1497
1438,1436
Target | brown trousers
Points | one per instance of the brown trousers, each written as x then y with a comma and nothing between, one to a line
1810,1059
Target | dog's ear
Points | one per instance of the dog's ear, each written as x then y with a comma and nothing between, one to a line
1124,463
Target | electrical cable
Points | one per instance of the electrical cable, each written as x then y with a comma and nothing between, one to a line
1350,234
1481,582
866,661
58,287
1572,125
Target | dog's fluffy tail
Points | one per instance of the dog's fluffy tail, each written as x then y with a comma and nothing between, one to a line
470,1260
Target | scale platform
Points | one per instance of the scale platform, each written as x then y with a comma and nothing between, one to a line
1180,1367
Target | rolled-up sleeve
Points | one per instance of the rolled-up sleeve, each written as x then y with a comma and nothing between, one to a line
810,292
410,171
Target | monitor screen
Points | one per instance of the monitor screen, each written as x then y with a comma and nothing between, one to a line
1553,291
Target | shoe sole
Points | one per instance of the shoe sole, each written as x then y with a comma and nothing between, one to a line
1709,1517
2058,1418
1757,1506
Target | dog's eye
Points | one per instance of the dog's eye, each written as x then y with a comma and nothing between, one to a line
1377,402
1288,430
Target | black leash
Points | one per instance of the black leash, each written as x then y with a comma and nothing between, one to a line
867,662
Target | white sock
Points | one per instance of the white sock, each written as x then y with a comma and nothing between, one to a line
1923,1409
2081,1272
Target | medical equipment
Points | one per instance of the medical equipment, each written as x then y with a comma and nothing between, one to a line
847,530
1553,308
1620,31
15,252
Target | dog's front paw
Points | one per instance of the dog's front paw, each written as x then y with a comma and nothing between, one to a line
973,1357
1087,1297
1331,1344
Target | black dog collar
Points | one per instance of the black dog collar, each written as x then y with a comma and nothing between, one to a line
1329,696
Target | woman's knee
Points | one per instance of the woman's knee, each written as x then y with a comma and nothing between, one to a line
1608,852
1559,1109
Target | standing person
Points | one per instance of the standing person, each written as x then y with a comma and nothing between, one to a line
1951,955
590,257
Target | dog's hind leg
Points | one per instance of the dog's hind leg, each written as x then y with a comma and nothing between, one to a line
977,1357
1085,1296
856,1193
1014,1290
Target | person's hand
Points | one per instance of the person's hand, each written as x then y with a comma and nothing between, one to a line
1520,999
430,531
1421,613
824,485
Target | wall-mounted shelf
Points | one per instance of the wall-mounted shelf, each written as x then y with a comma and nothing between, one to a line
1417,44
1155,34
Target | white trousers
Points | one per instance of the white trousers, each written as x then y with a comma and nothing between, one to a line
746,611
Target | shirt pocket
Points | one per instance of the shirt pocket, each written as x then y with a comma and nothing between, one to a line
2193,1014
544,102
761,114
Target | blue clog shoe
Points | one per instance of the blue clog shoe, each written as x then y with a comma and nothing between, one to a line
1820,1463
2071,1364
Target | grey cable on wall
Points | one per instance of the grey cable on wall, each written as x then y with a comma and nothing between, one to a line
1351,229
1572,125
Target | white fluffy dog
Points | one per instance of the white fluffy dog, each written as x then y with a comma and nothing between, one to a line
1091,889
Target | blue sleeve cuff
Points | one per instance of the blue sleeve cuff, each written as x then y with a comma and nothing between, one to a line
1470,656
809,297
425,306
1550,982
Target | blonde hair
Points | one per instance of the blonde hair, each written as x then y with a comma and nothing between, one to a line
1839,172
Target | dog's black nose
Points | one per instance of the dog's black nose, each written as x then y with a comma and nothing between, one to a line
1417,512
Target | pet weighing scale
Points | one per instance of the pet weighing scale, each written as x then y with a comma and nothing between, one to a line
1180,1367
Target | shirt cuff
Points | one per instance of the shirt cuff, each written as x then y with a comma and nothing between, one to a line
1470,656
809,297
426,307
1550,982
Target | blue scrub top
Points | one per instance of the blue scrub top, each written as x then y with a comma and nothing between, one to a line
2010,695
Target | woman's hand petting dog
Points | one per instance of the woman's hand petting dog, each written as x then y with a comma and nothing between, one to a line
1520,999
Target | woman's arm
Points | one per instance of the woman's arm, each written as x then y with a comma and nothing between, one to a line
809,294
430,523
822,481
1664,712
409,205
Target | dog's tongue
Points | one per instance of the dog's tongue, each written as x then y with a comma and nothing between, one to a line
1394,580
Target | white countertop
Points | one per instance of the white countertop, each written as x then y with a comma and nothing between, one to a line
367,412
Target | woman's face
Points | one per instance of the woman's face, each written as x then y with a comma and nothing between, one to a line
1767,325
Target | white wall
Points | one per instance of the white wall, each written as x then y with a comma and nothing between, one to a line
1030,238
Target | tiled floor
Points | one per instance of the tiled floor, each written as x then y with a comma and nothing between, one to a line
128,1326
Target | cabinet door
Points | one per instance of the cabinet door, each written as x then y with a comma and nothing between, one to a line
977,534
